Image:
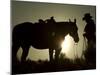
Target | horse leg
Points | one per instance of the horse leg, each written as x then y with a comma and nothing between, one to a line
15,48
25,53
51,55
57,52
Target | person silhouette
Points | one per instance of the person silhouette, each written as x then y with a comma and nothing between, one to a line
90,29
90,34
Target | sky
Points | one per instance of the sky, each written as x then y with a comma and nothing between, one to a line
32,11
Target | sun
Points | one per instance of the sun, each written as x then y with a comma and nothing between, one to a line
66,44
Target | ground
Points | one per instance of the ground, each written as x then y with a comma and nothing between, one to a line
63,64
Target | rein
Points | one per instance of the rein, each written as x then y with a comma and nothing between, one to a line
75,49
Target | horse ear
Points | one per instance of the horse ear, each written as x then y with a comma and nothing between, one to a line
74,20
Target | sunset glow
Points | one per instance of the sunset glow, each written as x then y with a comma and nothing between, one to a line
66,45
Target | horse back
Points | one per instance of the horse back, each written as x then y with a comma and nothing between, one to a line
29,33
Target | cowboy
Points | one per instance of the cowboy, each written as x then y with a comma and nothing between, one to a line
89,28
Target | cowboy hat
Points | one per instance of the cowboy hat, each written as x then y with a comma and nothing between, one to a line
87,16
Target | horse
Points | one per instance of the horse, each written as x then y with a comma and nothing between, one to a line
42,36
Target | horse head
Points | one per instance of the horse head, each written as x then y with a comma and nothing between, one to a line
73,30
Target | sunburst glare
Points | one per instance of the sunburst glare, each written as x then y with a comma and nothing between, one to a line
67,44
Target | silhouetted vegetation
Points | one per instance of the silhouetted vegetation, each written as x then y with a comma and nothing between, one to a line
64,64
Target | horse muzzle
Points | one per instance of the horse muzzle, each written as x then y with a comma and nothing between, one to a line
76,40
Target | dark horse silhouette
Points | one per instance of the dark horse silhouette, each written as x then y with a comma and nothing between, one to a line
42,36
